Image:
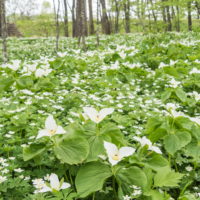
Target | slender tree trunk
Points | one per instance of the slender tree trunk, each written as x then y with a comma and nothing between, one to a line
91,21
164,15
97,30
56,12
197,4
117,9
106,27
127,15
66,24
85,18
189,16
3,30
154,14
80,22
169,22
178,19
73,19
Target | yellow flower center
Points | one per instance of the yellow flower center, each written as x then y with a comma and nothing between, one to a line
115,157
52,132
97,118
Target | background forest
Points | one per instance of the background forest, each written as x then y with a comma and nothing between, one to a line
37,18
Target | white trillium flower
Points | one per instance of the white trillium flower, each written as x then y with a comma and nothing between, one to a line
144,141
115,155
51,128
96,116
55,185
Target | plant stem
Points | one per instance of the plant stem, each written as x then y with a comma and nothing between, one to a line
114,189
93,196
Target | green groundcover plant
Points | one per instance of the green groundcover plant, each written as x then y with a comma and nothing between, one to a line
120,121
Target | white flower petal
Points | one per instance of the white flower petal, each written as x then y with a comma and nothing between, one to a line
155,149
111,149
45,189
60,130
54,182
65,185
125,152
92,113
50,123
113,162
104,112
43,133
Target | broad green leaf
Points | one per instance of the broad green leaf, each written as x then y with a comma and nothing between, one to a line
166,95
96,147
165,177
156,162
176,141
132,176
181,94
184,138
91,177
172,143
193,149
114,133
72,150
154,195
24,82
184,123
33,150
5,83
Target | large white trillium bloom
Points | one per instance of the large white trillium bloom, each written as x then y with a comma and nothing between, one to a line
96,116
55,185
144,141
51,128
115,155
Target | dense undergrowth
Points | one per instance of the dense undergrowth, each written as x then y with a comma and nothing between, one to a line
143,144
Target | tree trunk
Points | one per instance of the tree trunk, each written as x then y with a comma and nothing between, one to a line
56,13
164,15
189,16
73,19
127,16
169,22
97,29
116,16
178,19
3,30
198,9
154,14
66,24
91,21
85,18
80,22
105,21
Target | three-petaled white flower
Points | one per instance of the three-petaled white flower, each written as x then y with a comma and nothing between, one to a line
55,185
144,141
51,128
96,116
115,155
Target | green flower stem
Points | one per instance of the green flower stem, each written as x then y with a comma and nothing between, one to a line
93,196
97,129
114,188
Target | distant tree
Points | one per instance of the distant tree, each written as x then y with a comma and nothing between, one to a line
126,5
91,21
189,9
81,22
56,13
3,29
66,24
106,26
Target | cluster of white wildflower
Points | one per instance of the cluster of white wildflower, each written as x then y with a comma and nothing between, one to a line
53,185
